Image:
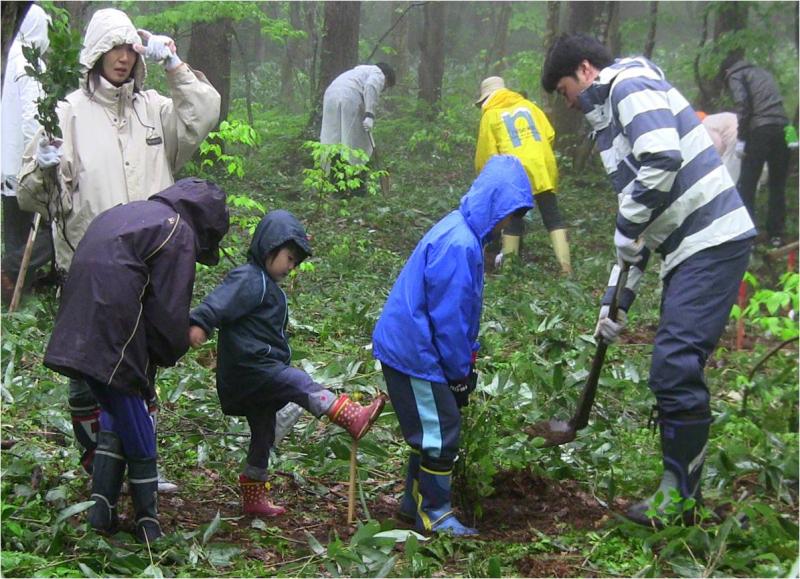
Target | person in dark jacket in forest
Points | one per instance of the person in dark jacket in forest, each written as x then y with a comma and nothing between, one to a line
426,336
124,312
762,121
254,378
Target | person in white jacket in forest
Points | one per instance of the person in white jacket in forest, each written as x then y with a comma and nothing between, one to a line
349,103
120,143
19,96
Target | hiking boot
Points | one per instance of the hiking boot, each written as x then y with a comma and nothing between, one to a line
353,417
255,498
684,439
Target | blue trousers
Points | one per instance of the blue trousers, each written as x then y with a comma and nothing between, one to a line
695,306
428,415
126,416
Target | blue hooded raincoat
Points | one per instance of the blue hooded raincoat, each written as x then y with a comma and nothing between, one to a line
429,324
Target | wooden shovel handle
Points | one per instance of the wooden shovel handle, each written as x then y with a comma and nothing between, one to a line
23,266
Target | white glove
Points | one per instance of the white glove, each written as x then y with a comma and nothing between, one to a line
608,329
158,48
368,123
628,250
739,149
48,154
498,260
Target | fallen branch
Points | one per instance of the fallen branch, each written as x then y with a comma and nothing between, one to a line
392,27
758,365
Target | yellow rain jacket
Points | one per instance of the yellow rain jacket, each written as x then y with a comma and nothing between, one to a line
513,125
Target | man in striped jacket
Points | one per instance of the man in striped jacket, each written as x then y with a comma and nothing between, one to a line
676,199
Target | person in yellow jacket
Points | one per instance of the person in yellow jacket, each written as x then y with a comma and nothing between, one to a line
513,125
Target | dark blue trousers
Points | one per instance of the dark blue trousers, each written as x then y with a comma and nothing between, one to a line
696,303
290,385
128,417
428,415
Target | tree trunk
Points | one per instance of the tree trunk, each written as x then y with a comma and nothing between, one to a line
431,61
79,13
293,58
611,36
571,130
339,53
398,41
495,56
12,14
553,18
650,44
339,41
310,26
210,52
582,16
730,17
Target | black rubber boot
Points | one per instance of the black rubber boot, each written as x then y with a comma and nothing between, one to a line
143,483
85,414
109,468
684,438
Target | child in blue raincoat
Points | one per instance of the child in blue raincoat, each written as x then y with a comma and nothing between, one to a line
426,336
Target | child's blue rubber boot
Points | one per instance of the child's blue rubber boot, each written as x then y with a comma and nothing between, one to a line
434,510
408,506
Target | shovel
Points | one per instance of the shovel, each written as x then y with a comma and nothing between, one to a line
557,432
384,178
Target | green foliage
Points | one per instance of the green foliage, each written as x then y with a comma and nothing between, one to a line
774,311
181,13
368,554
214,150
60,77
339,170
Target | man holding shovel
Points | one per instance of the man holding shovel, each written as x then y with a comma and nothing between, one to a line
675,198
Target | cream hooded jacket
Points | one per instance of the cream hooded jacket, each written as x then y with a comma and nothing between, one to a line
121,144
20,93
347,100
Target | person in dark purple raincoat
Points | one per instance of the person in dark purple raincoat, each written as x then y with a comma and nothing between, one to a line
124,312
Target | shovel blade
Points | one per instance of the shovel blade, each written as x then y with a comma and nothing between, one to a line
554,432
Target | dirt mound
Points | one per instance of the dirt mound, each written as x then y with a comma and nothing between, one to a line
524,503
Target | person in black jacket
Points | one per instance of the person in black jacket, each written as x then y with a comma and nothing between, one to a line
254,378
125,311
762,121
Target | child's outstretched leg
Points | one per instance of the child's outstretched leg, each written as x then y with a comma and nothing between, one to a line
253,483
296,386
431,422
353,417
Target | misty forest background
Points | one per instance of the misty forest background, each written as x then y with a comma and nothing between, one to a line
541,511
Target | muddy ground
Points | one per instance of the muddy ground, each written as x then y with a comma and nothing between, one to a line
523,507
